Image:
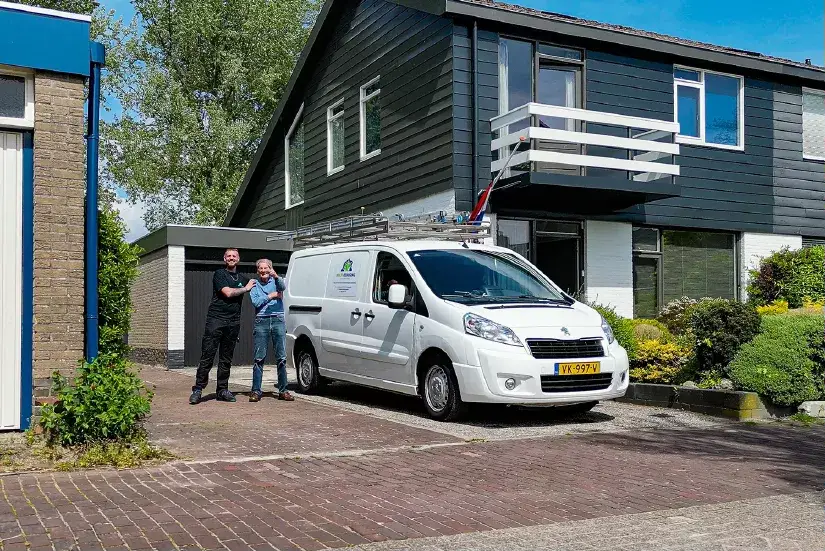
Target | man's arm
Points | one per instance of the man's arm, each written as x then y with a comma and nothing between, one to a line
258,296
280,284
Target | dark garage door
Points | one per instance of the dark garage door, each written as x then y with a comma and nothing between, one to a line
198,295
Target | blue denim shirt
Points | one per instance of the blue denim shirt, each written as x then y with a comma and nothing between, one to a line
260,297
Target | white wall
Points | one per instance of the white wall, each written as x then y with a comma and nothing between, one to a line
755,246
177,297
608,259
432,204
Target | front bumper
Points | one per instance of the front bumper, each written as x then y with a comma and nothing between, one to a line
485,382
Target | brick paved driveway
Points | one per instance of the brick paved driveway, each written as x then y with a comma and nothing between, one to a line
368,485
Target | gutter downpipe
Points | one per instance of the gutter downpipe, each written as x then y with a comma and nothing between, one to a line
98,59
475,108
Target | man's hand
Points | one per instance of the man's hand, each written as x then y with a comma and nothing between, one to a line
249,285
274,295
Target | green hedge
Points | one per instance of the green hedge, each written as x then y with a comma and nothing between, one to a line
789,275
786,362
720,327
622,327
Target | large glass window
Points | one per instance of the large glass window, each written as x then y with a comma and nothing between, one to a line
335,138
370,119
813,124
294,148
709,108
670,264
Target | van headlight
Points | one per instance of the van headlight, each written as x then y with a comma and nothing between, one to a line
608,331
490,330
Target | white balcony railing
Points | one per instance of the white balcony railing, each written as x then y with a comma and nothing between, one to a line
642,144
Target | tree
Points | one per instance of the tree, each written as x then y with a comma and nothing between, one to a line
204,79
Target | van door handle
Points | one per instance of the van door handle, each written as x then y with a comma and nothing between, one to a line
369,316
356,313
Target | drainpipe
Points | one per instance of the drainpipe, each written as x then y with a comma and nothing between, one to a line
475,108
98,59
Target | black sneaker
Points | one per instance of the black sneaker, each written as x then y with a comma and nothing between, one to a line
195,398
225,396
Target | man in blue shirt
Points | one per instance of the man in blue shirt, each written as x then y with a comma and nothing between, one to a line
267,296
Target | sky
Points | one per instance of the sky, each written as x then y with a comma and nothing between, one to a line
792,29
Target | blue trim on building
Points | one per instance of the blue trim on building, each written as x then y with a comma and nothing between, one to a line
27,285
44,42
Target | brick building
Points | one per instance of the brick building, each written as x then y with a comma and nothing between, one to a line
46,59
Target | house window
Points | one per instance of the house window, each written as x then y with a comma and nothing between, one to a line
335,138
370,119
813,124
16,99
294,162
670,264
709,108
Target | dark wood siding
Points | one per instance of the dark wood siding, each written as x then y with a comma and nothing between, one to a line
465,191
412,52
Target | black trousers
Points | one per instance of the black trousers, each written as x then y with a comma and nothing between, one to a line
218,333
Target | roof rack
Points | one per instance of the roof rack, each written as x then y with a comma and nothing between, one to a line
379,227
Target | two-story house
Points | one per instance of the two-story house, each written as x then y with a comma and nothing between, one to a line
652,167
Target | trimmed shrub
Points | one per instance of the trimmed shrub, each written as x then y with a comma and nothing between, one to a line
622,327
720,328
105,401
774,308
658,362
786,362
650,330
789,275
676,315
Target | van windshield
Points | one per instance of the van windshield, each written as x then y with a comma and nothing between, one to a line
473,276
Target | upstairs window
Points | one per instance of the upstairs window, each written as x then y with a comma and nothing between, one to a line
16,100
294,161
709,108
370,119
335,138
813,124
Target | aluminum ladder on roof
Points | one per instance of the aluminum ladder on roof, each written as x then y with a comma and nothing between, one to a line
379,227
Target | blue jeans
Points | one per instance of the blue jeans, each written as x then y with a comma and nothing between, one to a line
266,329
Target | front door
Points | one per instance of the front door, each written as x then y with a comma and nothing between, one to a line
389,332
343,311
11,237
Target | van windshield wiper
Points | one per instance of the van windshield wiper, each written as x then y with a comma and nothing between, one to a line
543,299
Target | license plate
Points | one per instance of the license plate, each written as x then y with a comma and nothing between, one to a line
578,368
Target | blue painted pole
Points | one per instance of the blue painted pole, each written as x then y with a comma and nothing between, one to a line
98,58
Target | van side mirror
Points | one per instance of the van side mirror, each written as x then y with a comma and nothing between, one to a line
397,296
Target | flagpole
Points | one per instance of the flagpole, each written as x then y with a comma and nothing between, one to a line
521,140
478,211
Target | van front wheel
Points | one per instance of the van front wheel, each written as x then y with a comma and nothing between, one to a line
440,392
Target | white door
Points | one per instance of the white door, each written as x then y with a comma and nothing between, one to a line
11,241
343,311
388,332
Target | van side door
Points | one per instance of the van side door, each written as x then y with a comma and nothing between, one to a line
343,310
388,332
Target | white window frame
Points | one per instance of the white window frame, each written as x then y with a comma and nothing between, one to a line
287,178
363,117
330,118
700,85
820,93
27,122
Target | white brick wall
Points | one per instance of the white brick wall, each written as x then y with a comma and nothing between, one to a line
755,246
176,298
432,204
609,265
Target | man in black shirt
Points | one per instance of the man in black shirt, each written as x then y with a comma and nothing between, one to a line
223,322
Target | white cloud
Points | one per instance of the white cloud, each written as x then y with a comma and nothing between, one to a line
132,215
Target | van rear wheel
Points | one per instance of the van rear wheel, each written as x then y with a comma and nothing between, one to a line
440,392
307,370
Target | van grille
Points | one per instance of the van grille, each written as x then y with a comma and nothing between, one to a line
549,349
575,383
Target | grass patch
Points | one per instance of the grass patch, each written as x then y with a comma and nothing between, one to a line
805,420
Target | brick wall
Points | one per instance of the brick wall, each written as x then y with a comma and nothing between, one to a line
149,330
609,265
59,188
176,306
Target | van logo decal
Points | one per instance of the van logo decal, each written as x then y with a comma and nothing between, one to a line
347,267
565,331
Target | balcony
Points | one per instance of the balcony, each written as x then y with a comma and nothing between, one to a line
627,160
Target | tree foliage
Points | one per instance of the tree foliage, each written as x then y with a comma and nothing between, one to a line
203,81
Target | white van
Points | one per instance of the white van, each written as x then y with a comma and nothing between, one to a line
452,322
